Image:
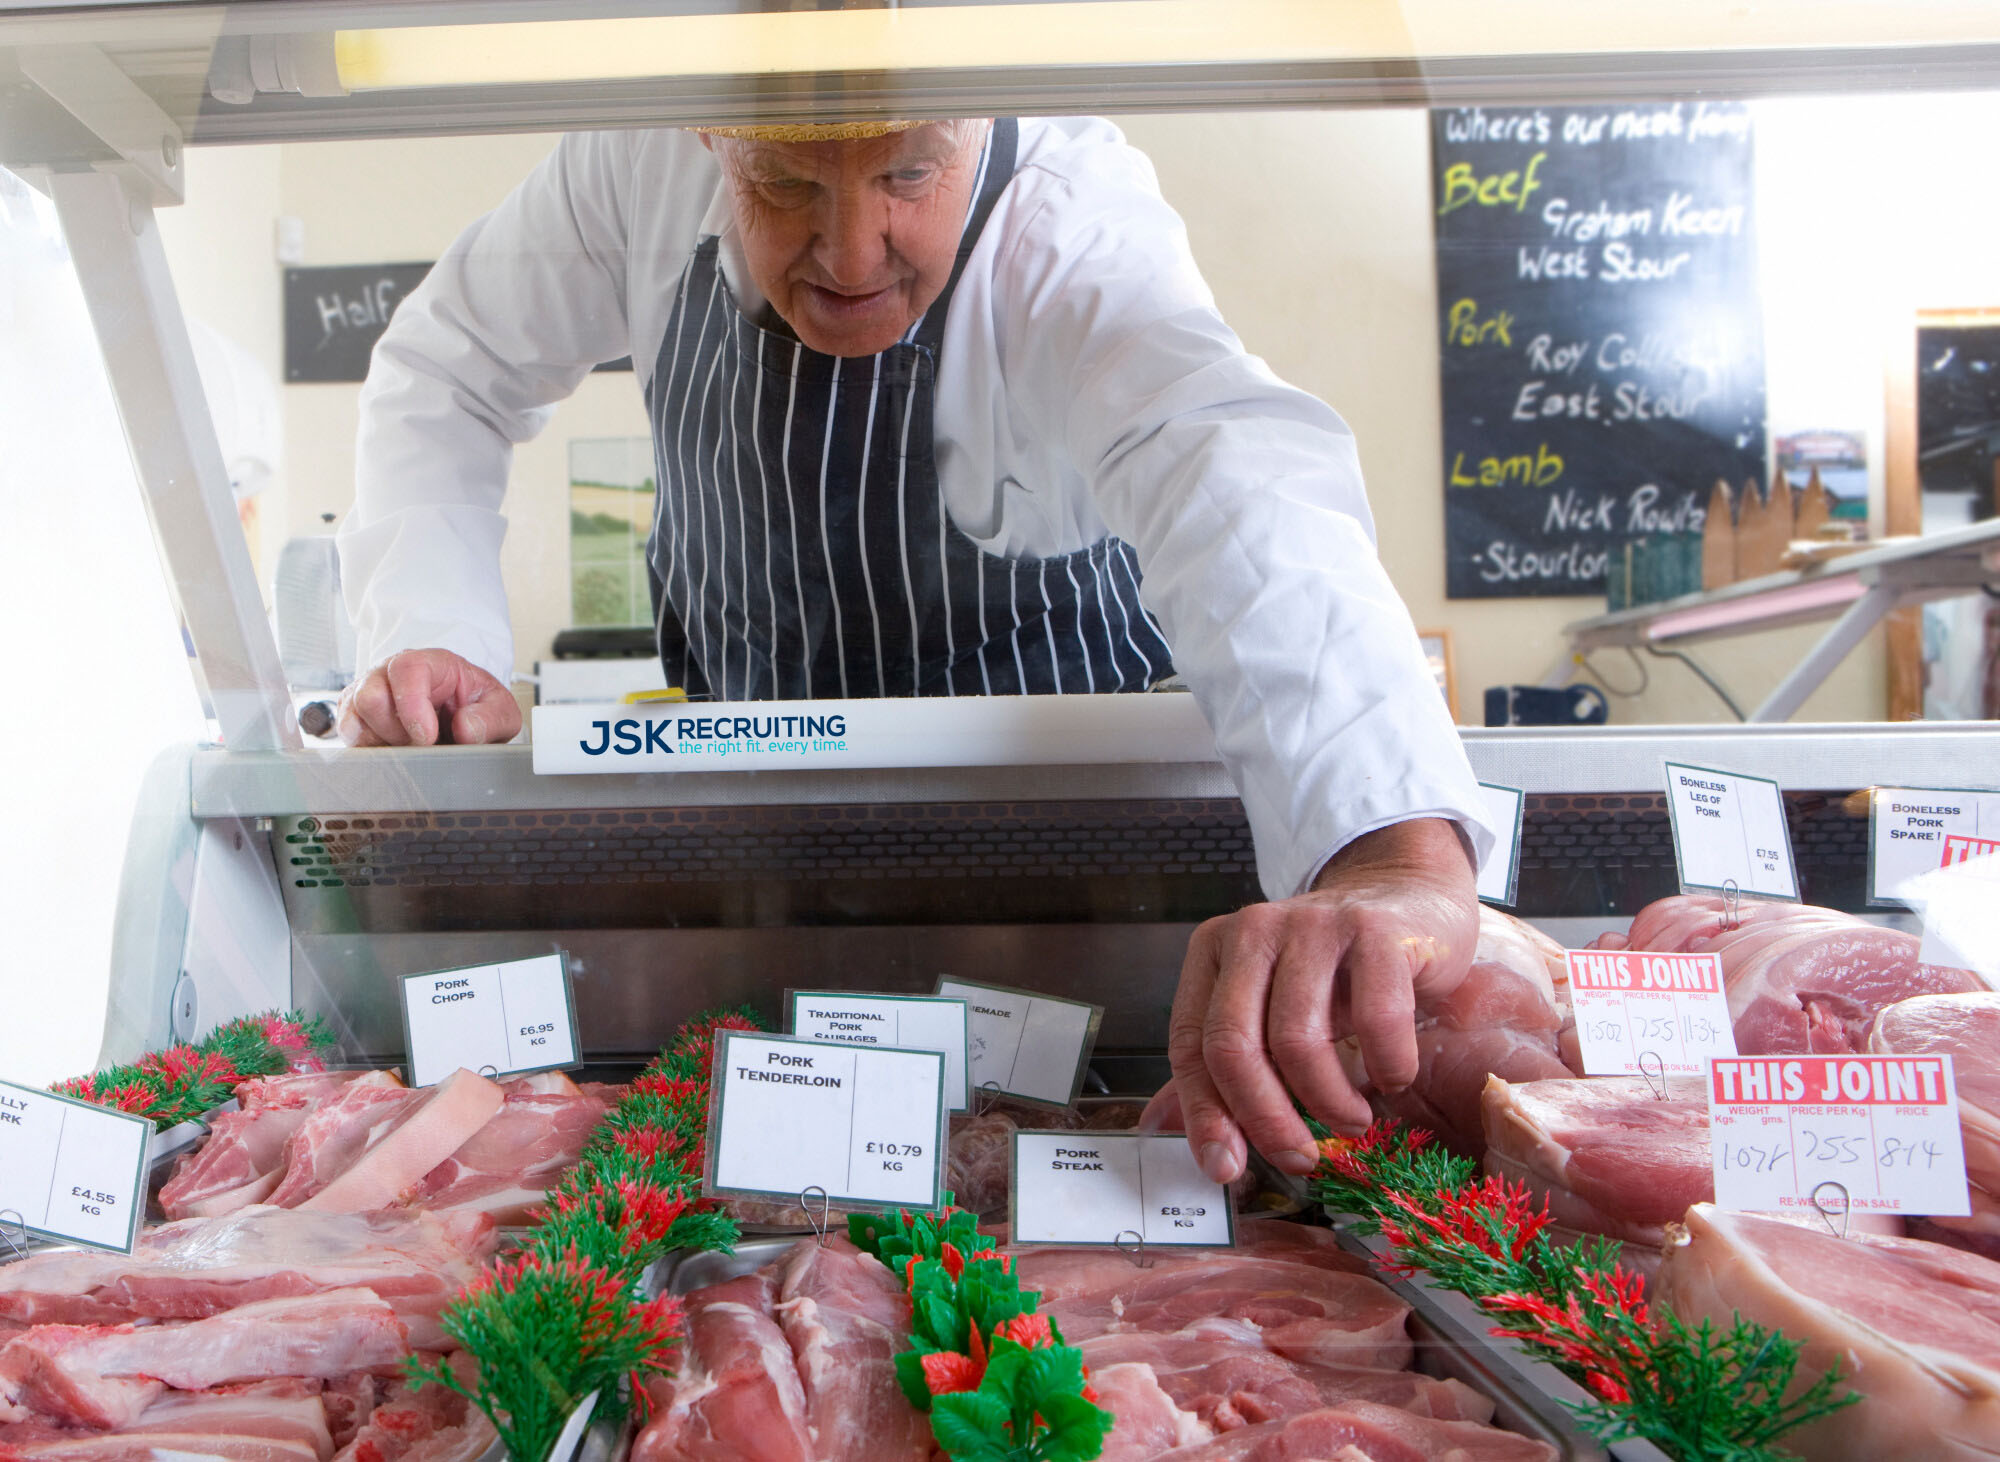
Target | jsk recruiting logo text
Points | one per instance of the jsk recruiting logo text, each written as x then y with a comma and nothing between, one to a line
716,735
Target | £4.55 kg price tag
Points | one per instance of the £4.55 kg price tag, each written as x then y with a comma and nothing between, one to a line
1096,1188
865,1126
1730,832
908,1022
72,1171
1885,1128
1022,1044
1631,1004
506,1018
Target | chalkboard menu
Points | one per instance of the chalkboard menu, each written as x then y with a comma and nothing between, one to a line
1602,352
335,314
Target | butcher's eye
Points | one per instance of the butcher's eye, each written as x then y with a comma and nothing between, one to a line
912,179
785,192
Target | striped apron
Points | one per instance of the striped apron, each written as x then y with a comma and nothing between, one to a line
800,547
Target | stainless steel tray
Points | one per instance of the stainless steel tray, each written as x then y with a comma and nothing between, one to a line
1440,1352
1533,1389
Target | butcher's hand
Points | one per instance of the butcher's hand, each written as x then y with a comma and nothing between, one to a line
1391,920
426,698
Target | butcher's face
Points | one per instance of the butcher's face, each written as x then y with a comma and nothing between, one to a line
852,241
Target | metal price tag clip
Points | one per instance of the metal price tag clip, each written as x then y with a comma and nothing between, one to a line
492,1071
1732,905
1826,1214
817,1224
983,1099
10,1219
1656,1082
1137,1252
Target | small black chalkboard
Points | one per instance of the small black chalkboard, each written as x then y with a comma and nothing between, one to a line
334,316
1600,336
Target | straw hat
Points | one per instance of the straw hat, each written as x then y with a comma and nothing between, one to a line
811,131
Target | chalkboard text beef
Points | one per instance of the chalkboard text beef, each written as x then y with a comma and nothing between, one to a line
1600,345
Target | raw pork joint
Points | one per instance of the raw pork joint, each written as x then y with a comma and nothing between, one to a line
1146,1421
203,1266
1914,1326
1967,1029
412,1143
243,1158
505,1167
1506,1018
846,1316
1359,1431
738,1393
1799,978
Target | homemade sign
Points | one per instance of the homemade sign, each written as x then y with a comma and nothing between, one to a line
1022,1044
1600,339
1632,1005
907,1022
863,1126
1730,834
1883,1128
70,1170
504,1019
1912,830
1099,1188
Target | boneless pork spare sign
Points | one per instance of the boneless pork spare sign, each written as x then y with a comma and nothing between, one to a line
1600,342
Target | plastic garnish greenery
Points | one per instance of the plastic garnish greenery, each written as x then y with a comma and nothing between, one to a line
1701,1393
184,1080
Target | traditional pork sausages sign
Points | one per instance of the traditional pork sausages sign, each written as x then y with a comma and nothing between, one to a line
1601,349
69,1170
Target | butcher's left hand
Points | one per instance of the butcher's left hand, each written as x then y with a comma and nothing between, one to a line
1266,991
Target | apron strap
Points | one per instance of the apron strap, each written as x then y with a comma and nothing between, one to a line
1003,146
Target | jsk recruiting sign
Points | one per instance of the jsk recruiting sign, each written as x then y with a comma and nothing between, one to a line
762,736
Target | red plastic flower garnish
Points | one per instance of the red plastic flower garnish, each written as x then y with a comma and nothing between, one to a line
1030,1331
947,1372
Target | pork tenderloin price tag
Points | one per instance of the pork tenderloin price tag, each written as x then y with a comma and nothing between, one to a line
1094,1188
1500,874
1730,833
864,1125
1885,1128
504,1018
1631,1005
1913,830
1022,1044
907,1022
70,1170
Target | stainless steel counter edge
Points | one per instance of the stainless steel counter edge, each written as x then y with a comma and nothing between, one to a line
1551,760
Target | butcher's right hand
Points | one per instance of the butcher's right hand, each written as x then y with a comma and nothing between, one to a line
427,698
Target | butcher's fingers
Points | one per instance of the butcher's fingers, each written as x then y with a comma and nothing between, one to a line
1301,1029
413,688
1380,974
368,713
1235,1045
1163,1111
1213,1134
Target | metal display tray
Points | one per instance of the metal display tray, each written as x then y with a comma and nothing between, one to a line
1463,1331
1442,1351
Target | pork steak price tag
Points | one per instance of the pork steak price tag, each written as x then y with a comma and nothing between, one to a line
1087,1188
505,1018
70,1170
1912,830
1885,1128
865,1125
1630,1005
1730,833
907,1022
1022,1044
1500,874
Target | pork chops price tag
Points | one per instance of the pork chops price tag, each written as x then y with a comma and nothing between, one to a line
1632,1005
1730,833
70,1170
908,1022
1912,830
504,1019
865,1125
1096,1188
1500,874
1885,1128
1022,1044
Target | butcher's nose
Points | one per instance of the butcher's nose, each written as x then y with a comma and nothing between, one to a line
853,244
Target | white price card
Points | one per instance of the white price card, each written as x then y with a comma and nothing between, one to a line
1022,1044
1631,1005
1730,833
906,1022
70,1170
1883,1128
1091,1188
499,1019
1500,874
1912,830
865,1126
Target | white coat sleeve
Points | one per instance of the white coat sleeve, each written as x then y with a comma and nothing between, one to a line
1243,499
515,314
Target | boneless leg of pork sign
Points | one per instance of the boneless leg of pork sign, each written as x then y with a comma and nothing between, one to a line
865,1126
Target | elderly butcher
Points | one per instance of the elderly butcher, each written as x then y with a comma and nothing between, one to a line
946,409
